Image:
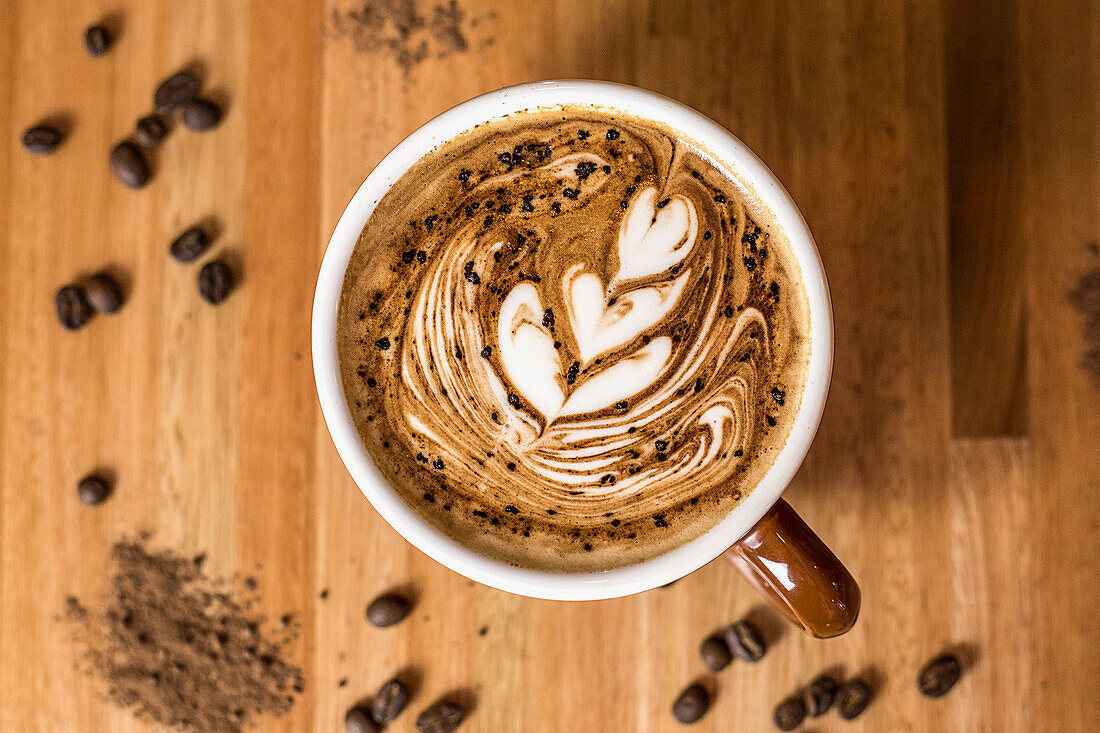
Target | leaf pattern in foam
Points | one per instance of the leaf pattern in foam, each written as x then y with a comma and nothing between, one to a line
652,240
527,350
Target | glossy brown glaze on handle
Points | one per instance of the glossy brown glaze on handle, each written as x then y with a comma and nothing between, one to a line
797,573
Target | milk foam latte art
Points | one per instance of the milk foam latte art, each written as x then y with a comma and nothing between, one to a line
570,340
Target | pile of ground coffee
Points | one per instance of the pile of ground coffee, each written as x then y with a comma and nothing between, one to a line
1086,299
180,649
406,31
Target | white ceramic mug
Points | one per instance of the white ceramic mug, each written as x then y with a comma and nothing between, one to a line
761,534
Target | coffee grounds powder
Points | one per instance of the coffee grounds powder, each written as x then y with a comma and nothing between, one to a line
404,30
1086,299
179,649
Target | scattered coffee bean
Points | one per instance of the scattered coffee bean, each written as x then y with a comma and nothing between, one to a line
939,675
389,701
790,713
443,716
150,131
853,699
215,281
92,490
358,720
715,653
388,609
692,704
42,139
189,245
820,695
201,114
73,309
175,91
97,40
746,642
128,165
103,293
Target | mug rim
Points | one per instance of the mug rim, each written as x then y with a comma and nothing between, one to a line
725,151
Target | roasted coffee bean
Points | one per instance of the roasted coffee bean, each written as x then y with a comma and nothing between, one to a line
175,91
128,165
215,281
42,139
853,699
388,609
189,245
939,675
715,653
389,701
201,114
150,131
73,309
692,704
92,490
358,720
820,695
103,293
790,713
97,40
443,716
746,642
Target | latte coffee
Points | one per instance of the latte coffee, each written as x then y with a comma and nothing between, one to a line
571,340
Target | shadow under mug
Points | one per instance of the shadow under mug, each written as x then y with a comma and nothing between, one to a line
762,536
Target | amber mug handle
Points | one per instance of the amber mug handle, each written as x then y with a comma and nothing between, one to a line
783,558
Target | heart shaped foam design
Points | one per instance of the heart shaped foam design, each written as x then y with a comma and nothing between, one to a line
527,350
599,327
621,380
654,237
528,354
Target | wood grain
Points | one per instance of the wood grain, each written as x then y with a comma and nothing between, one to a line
208,418
988,250
1061,120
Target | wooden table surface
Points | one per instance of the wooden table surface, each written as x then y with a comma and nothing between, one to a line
947,157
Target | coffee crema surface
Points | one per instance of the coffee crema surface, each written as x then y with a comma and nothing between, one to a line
570,340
